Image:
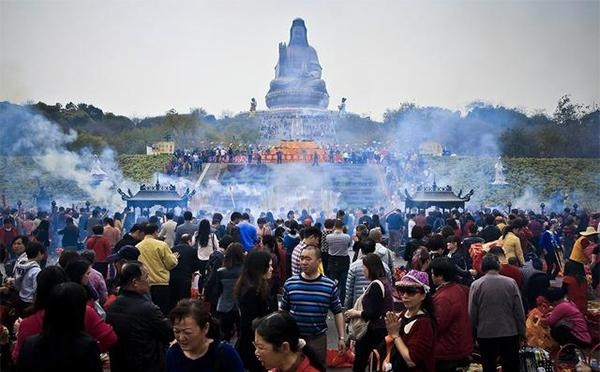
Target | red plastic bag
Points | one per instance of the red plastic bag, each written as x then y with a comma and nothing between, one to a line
337,360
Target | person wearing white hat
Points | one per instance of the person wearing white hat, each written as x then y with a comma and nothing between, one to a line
589,236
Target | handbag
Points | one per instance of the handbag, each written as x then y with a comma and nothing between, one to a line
358,326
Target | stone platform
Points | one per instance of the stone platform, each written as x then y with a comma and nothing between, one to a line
297,124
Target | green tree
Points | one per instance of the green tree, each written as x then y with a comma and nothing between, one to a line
567,112
70,107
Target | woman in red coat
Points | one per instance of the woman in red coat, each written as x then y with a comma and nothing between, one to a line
574,278
412,330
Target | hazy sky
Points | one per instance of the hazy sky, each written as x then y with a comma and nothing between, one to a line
141,58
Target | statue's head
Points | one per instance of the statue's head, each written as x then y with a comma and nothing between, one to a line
298,33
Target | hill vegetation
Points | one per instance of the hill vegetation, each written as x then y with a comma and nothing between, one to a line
531,181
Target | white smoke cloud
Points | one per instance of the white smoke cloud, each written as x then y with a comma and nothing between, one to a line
289,186
26,133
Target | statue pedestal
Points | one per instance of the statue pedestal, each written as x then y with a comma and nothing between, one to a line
297,124
297,98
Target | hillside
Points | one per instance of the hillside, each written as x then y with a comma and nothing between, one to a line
141,168
531,181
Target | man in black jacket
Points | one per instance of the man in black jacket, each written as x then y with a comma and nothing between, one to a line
134,236
490,232
143,331
180,280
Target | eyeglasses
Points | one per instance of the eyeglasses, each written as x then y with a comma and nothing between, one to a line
410,291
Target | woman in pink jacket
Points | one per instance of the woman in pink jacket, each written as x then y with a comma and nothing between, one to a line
567,323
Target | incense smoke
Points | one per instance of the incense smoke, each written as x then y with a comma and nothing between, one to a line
24,133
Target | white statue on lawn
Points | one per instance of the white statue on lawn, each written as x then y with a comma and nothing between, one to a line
499,178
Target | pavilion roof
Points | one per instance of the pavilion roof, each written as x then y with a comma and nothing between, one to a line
443,197
157,194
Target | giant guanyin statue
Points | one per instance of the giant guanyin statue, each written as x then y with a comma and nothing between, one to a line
297,80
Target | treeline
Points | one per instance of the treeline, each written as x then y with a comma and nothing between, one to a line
97,129
573,131
484,130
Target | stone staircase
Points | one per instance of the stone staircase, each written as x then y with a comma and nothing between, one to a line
270,186
235,186
360,185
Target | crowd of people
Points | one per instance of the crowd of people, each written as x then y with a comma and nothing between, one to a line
406,166
205,293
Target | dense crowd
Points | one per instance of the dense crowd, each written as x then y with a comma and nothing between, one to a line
398,165
205,293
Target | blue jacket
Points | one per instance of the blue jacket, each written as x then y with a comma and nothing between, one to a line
549,241
248,235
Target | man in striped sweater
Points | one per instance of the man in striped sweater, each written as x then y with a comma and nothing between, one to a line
308,297
310,236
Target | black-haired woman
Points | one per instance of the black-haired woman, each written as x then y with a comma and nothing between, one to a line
63,344
79,272
279,346
270,245
252,295
376,302
415,242
226,277
567,323
197,347
461,260
511,241
42,233
47,280
206,242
